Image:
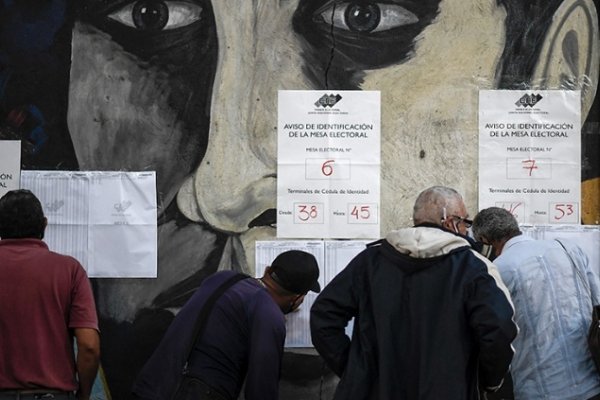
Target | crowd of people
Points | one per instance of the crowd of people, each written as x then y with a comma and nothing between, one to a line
433,318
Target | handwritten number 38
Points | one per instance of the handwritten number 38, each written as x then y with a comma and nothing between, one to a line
305,213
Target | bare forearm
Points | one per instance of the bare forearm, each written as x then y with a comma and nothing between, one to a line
87,368
88,359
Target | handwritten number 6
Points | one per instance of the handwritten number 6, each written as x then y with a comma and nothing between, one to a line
327,167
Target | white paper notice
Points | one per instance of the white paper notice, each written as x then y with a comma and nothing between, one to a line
10,165
106,220
328,164
530,154
332,257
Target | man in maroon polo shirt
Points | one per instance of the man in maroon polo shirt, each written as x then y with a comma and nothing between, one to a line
45,301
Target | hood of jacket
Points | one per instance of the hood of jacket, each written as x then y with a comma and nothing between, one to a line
423,242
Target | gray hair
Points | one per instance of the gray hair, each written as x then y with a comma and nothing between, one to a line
435,203
495,224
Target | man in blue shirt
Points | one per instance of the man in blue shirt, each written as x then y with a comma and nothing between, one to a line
243,336
552,309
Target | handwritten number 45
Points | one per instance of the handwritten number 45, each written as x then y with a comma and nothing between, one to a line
361,213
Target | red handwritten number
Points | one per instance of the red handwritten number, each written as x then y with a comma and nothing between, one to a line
530,165
361,213
305,213
512,208
563,210
327,167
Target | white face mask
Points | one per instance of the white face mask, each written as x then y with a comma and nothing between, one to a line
470,232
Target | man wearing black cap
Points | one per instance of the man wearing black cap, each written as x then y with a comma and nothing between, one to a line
242,339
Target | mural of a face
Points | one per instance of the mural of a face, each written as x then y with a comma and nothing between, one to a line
137,82
189,88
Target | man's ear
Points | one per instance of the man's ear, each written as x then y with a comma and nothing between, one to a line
448,223
44,226
498,246
570,54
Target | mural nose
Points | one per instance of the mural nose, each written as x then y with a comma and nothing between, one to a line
267,218
235,188
234,183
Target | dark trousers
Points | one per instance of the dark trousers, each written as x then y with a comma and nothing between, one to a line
194,389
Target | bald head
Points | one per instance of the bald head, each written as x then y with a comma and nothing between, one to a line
435,204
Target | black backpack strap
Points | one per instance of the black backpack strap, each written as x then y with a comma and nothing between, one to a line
205,312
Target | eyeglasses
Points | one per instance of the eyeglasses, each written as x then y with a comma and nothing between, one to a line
466,222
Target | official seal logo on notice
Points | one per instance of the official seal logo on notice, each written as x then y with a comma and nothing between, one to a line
121,209
328,100
528,100
122,206
54,206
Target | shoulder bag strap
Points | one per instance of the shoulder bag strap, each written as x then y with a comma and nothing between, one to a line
581,276
205,312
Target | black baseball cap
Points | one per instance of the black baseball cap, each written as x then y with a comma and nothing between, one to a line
296,271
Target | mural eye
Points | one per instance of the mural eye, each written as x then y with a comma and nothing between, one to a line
366,17
157,15
362,18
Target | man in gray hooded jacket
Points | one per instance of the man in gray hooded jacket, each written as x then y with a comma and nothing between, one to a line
432,318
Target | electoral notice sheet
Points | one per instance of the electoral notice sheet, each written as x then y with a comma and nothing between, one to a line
328,164
530,154
106,220
10,165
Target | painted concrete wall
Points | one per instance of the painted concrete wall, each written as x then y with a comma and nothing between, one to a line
189,89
